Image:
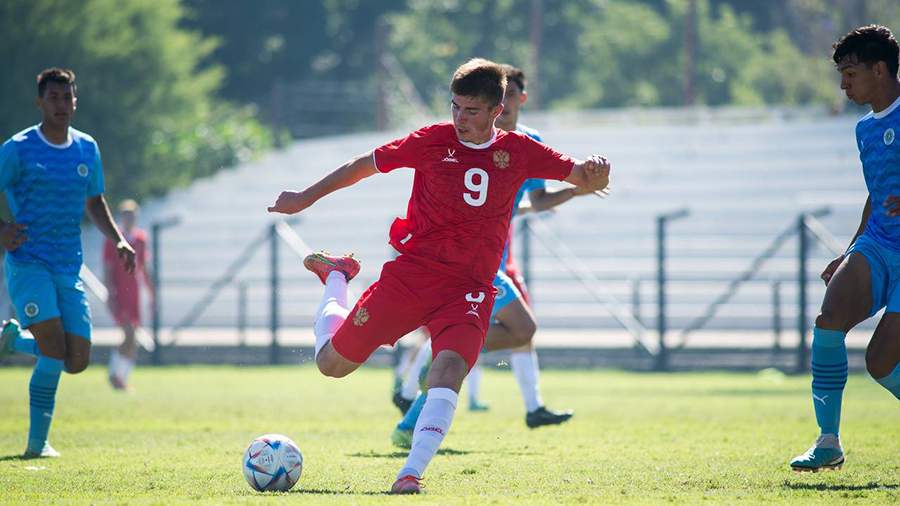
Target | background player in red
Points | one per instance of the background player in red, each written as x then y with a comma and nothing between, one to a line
124,293
451,242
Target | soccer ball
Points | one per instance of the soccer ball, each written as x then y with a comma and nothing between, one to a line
272,462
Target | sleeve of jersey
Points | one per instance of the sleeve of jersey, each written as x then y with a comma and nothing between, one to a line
543,162
96,184
402,152
9,164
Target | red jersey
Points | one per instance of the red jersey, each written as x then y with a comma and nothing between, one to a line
459,212
125,283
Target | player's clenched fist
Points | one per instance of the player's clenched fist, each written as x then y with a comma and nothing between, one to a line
290,203
596,171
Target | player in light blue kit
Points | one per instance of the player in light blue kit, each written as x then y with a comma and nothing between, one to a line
51,174
866,278
513,323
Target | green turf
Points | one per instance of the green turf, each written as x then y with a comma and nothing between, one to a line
636,438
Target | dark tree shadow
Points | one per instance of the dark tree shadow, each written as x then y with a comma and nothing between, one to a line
872,485
17,456
403,454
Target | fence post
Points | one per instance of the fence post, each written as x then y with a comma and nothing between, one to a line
636,298
526,252
662,358
155,239
273,293
802,324
776,315
242,313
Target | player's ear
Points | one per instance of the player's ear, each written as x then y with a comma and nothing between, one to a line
523,97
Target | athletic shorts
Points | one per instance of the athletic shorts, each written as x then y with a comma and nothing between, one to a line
512,271
884,267
407,296
39,295
507,292
126,307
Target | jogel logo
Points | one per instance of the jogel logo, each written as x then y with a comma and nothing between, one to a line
501,159
889,136
32,310
82,170
361,317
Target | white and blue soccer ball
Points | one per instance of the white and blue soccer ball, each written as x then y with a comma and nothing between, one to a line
272,462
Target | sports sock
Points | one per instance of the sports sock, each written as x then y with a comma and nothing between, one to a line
829,375
404,362
126,366
473,380
332,311
892,381
42,398
524,365
25,343
411,382
430,430
115,363
412,415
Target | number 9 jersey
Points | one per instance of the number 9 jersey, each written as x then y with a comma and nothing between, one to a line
459,212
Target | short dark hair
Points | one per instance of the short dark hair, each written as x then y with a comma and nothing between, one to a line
480,78
54,75
869,44
514,75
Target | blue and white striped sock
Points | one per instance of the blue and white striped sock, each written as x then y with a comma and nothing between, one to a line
42,391
829,375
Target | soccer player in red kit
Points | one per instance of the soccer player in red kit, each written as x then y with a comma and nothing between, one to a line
467,173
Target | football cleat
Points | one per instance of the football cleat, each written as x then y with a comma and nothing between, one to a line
8,336
478,406
829,457
543,416
408,484
46,452
402,438
402,403
322,264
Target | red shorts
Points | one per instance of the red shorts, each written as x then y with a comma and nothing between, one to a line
512,270
408,296
126,306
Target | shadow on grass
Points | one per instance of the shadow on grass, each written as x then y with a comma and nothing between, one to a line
872,485
403,454
322,491
7,458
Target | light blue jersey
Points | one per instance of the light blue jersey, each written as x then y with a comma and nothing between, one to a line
879,152
47,186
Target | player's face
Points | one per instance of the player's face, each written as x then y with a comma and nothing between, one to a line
858,80
57,105
473,118
127,219
512,101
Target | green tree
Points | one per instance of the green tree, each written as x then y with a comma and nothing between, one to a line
141,92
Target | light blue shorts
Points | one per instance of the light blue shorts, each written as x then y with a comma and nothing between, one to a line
884,267
506,292
39,295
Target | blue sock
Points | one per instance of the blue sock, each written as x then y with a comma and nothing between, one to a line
829,373
411,416
42,390
892,381
25,343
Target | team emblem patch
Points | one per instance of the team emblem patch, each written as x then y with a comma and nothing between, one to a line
361,317
501,159
889,136
82,170
32,310
501,292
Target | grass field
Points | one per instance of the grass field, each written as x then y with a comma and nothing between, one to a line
636,438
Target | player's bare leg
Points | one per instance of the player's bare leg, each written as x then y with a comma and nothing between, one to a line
448,370
514,326
123,358
883,353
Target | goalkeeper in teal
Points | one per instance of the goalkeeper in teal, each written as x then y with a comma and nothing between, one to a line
51,174
865,279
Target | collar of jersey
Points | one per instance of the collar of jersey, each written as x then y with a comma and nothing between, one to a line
47,142
483,145
890,109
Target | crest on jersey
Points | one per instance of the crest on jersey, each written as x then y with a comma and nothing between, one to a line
82,170
501,292
501,159
361,317
889,136
32,309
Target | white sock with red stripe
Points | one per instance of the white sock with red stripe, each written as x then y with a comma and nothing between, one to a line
332,311
411,382
433,425
473,381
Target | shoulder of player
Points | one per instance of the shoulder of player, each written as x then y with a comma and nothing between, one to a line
530,132
25,135
79,136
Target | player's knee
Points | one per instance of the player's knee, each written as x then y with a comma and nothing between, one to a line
877,365
831,320
75,365
331,368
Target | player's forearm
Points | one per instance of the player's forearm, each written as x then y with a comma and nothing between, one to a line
346,175
544,199
867,210
586,180
102,218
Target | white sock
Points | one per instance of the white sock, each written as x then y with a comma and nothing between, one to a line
115,363
411,381
403,363
433,425
524,365
332,311
473,381
126,366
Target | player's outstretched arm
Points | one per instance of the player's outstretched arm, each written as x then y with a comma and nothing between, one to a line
590,175
99,212
834,264
350,173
